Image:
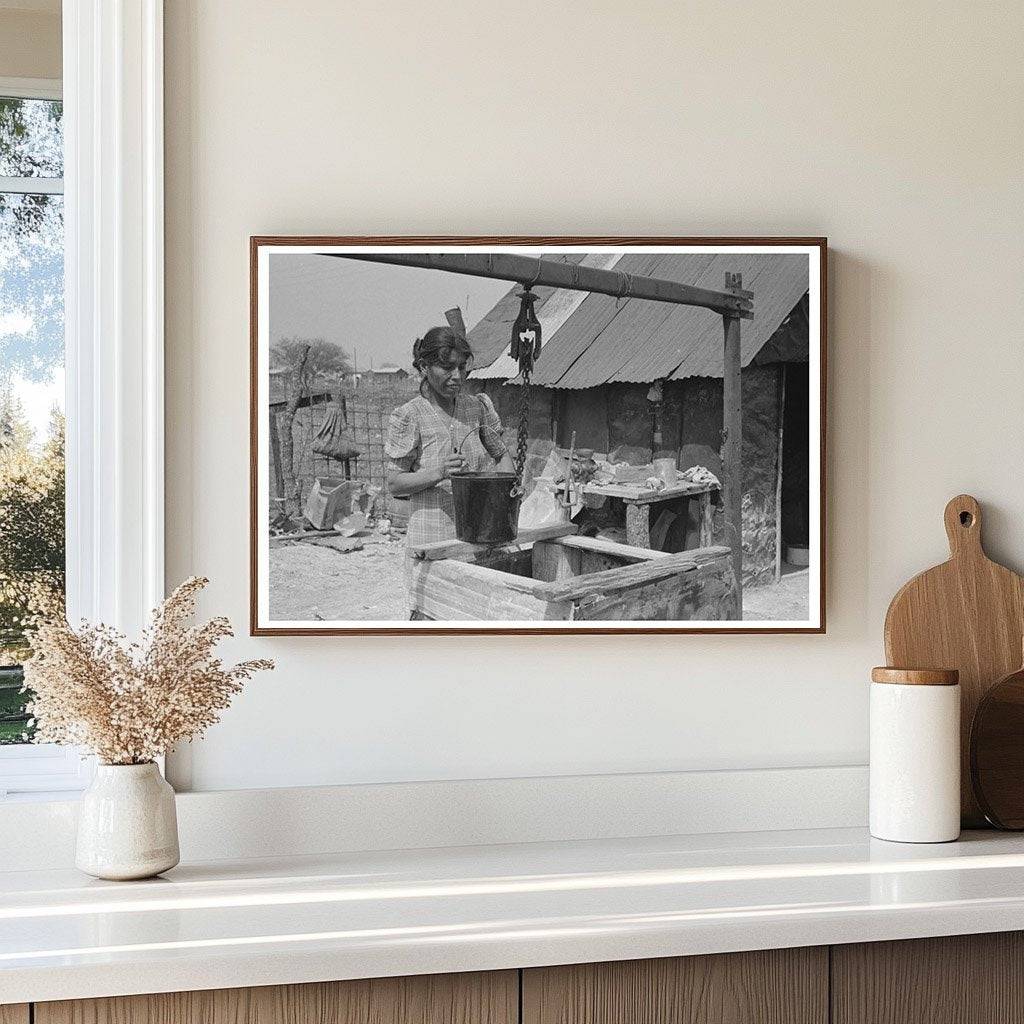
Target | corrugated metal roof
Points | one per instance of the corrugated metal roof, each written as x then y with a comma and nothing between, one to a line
779,281
629,326
587,324
552,315
491,335
639,340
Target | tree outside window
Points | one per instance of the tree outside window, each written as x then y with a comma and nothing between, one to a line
32,554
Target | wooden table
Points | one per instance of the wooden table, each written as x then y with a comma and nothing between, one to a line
638,503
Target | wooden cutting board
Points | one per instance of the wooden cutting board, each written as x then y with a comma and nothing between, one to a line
967,614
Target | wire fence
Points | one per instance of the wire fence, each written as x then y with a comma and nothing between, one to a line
365,411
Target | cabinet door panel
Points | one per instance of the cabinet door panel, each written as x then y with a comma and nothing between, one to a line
14,1013
960,979
481,998
778,986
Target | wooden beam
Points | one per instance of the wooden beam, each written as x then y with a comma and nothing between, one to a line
706,532
732,443
461,591
275,449
597,583
550,561
532,271
640,494
778,473
600,546
704,593
294,538
464,552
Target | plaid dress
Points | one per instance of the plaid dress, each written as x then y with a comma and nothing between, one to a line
421,436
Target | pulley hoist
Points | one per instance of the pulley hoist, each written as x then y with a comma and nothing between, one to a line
525,348
526,332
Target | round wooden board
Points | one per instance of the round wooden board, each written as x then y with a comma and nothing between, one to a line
997,752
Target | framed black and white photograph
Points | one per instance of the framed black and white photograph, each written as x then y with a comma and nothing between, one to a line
537,435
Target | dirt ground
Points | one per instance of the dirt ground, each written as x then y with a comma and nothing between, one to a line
787,599
313,583
309,582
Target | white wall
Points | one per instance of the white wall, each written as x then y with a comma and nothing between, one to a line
895,129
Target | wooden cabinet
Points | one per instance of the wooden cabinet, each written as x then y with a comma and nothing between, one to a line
967,979
962,979
970,979
483,998
777,986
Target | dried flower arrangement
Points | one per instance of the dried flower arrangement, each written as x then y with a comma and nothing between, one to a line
130,703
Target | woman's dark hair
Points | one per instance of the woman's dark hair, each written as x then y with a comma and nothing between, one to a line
438,347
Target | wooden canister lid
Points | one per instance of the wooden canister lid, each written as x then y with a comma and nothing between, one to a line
916,676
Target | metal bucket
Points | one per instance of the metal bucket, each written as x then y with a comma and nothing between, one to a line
485,511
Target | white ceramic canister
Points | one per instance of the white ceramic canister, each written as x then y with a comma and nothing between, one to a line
127,825
915,755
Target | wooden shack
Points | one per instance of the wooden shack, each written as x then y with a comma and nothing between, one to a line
732,304
647,378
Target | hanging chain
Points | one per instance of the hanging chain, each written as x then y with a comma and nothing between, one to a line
518,488
525,348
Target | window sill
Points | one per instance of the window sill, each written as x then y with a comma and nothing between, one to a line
43,771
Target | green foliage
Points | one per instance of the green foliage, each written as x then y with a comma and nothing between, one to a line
31,146
31,138
31,529
14,720
31,347
31,550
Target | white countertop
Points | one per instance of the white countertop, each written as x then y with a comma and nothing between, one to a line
261,922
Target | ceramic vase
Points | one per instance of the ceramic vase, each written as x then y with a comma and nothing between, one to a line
127,825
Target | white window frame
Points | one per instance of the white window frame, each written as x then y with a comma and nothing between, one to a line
114,324
32,88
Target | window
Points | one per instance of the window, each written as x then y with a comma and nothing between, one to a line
32,548
109,208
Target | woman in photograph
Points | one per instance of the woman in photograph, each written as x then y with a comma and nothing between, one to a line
441,432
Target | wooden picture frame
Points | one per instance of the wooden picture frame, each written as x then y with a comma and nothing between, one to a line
622,309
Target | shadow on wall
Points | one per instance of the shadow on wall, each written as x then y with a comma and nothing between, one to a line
854,288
